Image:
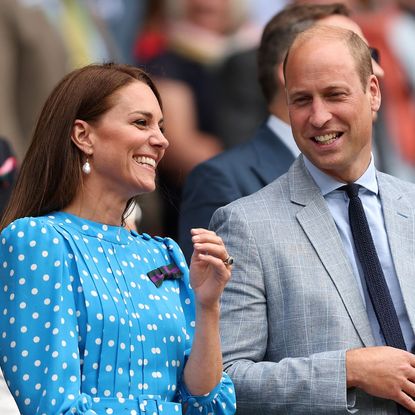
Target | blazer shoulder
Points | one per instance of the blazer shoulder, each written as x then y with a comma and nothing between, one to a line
275,193
394,186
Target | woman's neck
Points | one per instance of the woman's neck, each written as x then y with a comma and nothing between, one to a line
97,207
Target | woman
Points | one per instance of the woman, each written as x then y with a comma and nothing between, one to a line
96,319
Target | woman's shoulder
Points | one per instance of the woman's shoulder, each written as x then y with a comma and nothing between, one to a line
30,227
173,249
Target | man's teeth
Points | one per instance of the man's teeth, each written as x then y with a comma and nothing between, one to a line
145,160
327,138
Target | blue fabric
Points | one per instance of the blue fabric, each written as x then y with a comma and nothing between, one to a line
85,331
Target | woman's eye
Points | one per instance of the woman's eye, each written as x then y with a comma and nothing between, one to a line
140,123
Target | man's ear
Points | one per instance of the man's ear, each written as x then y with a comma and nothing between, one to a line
375,96
82,137
280,73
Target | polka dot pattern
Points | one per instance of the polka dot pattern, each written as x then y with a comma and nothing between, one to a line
84,331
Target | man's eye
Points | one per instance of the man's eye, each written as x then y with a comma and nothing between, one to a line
336,95
301,100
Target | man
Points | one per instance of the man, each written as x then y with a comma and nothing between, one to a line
299,331
249,167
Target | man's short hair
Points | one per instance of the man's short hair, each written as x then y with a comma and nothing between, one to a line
279,33
359,50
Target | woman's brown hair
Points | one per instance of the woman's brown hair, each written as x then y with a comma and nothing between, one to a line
50,174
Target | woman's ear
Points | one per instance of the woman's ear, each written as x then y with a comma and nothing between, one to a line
82,137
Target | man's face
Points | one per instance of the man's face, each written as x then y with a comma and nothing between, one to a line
330,110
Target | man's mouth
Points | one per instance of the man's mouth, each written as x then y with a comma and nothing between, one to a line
327,138
148,161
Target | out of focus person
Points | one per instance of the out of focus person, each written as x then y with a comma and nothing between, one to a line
124,20
40,42
392,29
261,11
33,59
85,34
240,105
8,173
200,33
249,167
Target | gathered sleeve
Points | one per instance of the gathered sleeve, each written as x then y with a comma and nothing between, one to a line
39,338
221,400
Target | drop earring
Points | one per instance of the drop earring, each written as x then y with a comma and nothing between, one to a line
86,167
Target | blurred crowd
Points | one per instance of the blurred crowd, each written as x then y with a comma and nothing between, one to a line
202,54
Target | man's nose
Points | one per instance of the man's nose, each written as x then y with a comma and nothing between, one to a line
320,114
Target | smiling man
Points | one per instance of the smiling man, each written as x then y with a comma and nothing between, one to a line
319,315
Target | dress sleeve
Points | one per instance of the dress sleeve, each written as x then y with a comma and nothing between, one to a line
221,400
38,322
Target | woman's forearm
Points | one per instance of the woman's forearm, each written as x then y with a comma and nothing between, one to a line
203,370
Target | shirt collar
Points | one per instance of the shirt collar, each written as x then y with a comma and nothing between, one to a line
328,184
283,131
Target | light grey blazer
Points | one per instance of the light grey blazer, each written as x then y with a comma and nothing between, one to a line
293,307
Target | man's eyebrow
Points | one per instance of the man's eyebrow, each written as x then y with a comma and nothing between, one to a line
298,93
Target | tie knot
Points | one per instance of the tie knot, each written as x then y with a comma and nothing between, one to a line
352,189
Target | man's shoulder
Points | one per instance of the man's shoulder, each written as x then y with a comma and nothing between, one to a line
394,185
275,193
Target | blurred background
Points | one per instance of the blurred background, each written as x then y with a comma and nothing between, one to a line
202,55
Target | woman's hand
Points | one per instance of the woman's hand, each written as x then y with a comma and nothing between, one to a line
208,272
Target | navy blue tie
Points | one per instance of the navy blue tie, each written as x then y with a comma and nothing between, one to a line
372,270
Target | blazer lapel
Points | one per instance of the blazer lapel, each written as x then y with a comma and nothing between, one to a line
320,228
399,223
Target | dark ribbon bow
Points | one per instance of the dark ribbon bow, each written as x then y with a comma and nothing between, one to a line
166,272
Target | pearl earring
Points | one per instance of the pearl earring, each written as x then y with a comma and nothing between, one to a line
86,167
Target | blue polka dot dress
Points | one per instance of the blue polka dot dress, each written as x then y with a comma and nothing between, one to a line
84,330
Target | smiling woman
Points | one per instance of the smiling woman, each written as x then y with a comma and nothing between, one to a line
97,319
123,148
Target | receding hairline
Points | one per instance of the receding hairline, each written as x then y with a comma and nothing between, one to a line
319,32
323,32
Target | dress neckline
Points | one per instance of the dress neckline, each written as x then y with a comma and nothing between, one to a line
111,233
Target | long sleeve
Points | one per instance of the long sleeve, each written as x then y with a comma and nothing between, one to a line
285,380
39,342
85,330
221,400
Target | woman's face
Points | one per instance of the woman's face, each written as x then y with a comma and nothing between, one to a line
128,142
